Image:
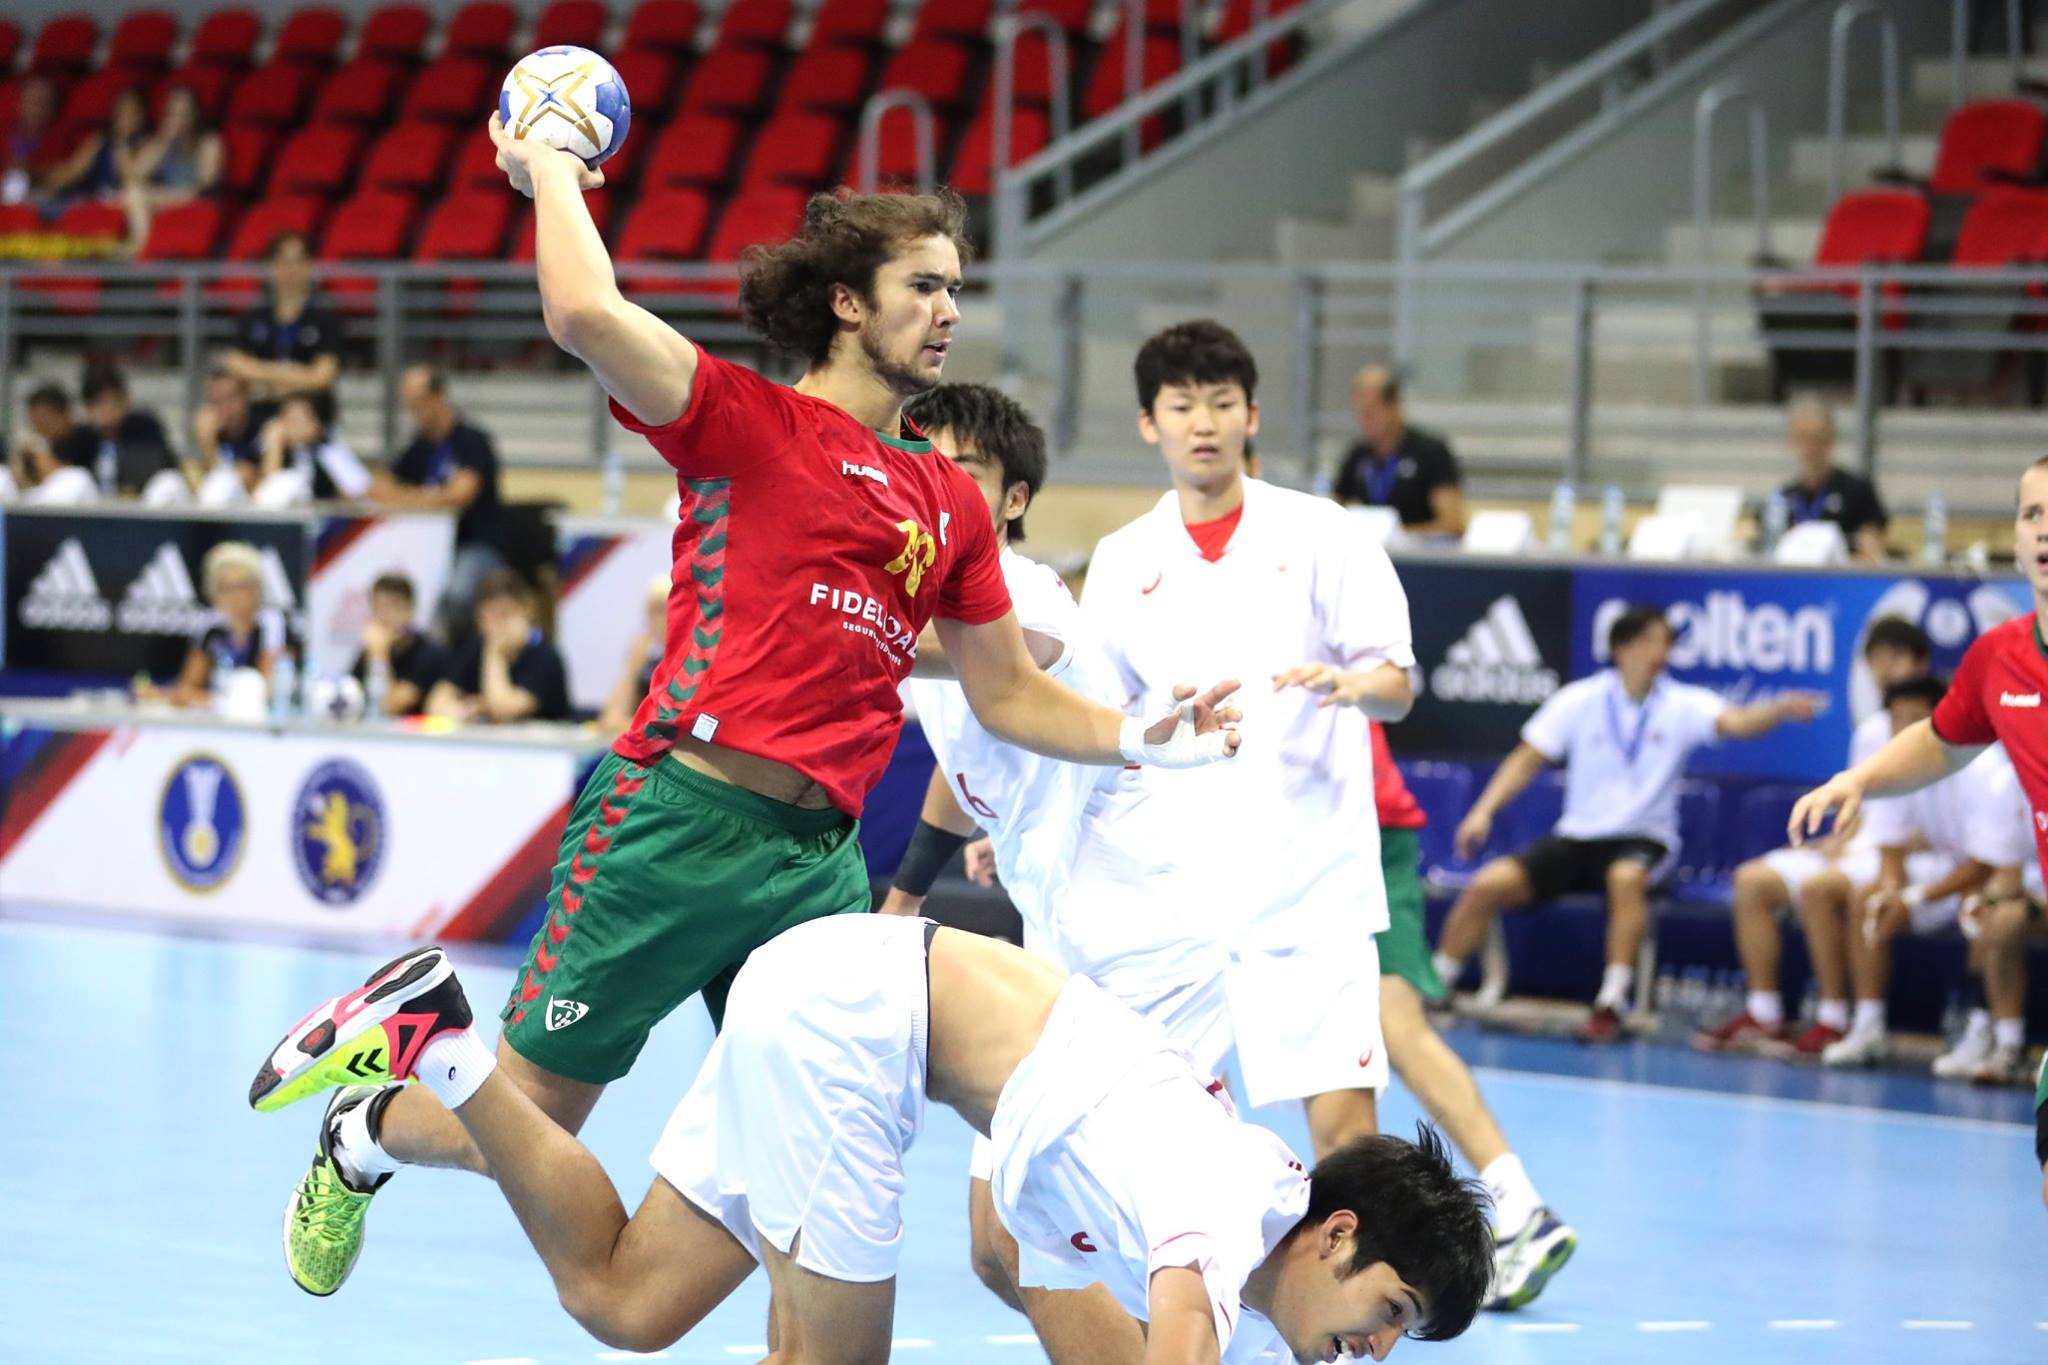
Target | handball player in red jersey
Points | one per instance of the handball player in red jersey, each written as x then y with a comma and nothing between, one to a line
1996,697
817,537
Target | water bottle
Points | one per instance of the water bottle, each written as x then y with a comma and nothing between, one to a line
1564,501
376,686
217,681
1934,530
1777,516
284,687
1319,482
1613,506
1953,1017
106,466
1664,999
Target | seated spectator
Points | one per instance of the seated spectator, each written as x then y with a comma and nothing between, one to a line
129,445
1993,1048
409,660
1823,491
101,164
1624,735
1895,651
239,632
53,441
450,465
226,443
1399,466
509,671
642,657
1970,825
290,342
179,160
303,461
31,149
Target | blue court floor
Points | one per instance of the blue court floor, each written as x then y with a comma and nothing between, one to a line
1728,1210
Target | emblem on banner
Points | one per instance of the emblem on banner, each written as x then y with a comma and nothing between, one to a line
338,832
201,823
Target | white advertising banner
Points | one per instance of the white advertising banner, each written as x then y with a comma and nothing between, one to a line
604,571
348,555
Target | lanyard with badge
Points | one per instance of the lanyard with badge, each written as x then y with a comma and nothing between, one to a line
1632,744
1807,506
1380,478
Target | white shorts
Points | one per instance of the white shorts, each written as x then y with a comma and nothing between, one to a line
799,1119
1796,866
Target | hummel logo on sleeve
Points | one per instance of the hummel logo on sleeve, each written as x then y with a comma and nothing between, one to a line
2026,699
863,471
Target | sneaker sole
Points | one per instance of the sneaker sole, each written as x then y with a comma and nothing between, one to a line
1552,1262
289,1073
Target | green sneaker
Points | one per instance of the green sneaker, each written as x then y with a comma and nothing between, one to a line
323,1220
371,1036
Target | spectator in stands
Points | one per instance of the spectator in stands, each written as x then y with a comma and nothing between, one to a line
450,465
1972,824
399,663
226,443
179,160
290,342
102,162
509,671
1895,651
53,440
641,658
129,445
303,460
1823,491
1624,735
1399,466
239,631
31,150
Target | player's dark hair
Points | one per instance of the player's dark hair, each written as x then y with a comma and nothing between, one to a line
1418,1215
1632,623
1200,352
996,425
1930,689
49,396
101,381
1896,632
503,583
786,288
393,584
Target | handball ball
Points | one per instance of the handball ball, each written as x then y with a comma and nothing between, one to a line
567,97
337,697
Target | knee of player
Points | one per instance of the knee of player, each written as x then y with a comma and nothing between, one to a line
2003,925
613,1318
1500,878
1754,878
1628,878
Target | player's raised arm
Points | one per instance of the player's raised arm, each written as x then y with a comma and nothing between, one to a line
1915,757
641,361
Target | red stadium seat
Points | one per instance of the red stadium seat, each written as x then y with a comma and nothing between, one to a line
795,149
317,160
650,77
1867,227
729,80
664,26
476,164
896,150
208,83
666,225
395,33
20,220
312,36
144,40
1106,84
97,218
760,23
1985,142
695,149
456,89
826,78
273,95
1032,70
1168,16
226,37
1071,15
362,91
412,157
598,202
468,226
93,221
10,43
245,157
765,213
967,19
850,21
936,68
372,226
572,23
92,99
1029,132
269,220
183,232
1237,17
65,45
2004,227
482,28
10,99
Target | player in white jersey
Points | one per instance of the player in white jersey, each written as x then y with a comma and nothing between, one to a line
1973,824
1114,1161
1894,650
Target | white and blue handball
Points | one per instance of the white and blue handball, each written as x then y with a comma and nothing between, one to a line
567,97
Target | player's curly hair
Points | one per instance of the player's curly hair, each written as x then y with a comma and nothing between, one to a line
786,289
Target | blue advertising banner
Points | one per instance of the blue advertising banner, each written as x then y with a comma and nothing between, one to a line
1751,635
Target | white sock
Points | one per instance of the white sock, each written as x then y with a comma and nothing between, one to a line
1833,1014
2009,1032
1869,1016
1977,1024
1448,967
1515,1200
363,1162
1614,986
454,1066
1766,1007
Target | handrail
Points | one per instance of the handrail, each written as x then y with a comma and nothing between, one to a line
878,107
1710,103
1959,47
1847,14
1009,29
1134,63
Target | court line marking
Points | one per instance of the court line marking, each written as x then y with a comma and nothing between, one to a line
1551,1080
1805,1324
1687,1325
1936,1325
1543,1327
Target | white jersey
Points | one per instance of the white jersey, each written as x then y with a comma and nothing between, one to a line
1976,812
1286,834
1623,757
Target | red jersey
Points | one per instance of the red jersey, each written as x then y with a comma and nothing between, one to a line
1396,803
809,555
1996,697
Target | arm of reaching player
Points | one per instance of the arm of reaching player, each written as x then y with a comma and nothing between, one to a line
942,827
1182,1330
1016,702
1384,692
1915,757
641,361
1046,650
1752,722
1517,771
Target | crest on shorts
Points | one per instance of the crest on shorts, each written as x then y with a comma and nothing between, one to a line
562,1013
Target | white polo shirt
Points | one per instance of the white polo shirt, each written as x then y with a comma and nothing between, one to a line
1872,733
1976,812
1285,834
1623,757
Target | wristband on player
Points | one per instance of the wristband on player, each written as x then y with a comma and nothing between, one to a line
930,848
1184,748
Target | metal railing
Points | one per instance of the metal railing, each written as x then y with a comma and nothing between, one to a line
1002,128
1710,103
880,106
1847,16
1959,47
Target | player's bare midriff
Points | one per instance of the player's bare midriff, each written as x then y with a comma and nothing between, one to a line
750,772
989,1004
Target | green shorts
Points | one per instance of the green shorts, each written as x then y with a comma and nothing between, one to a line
667,879
1404,946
